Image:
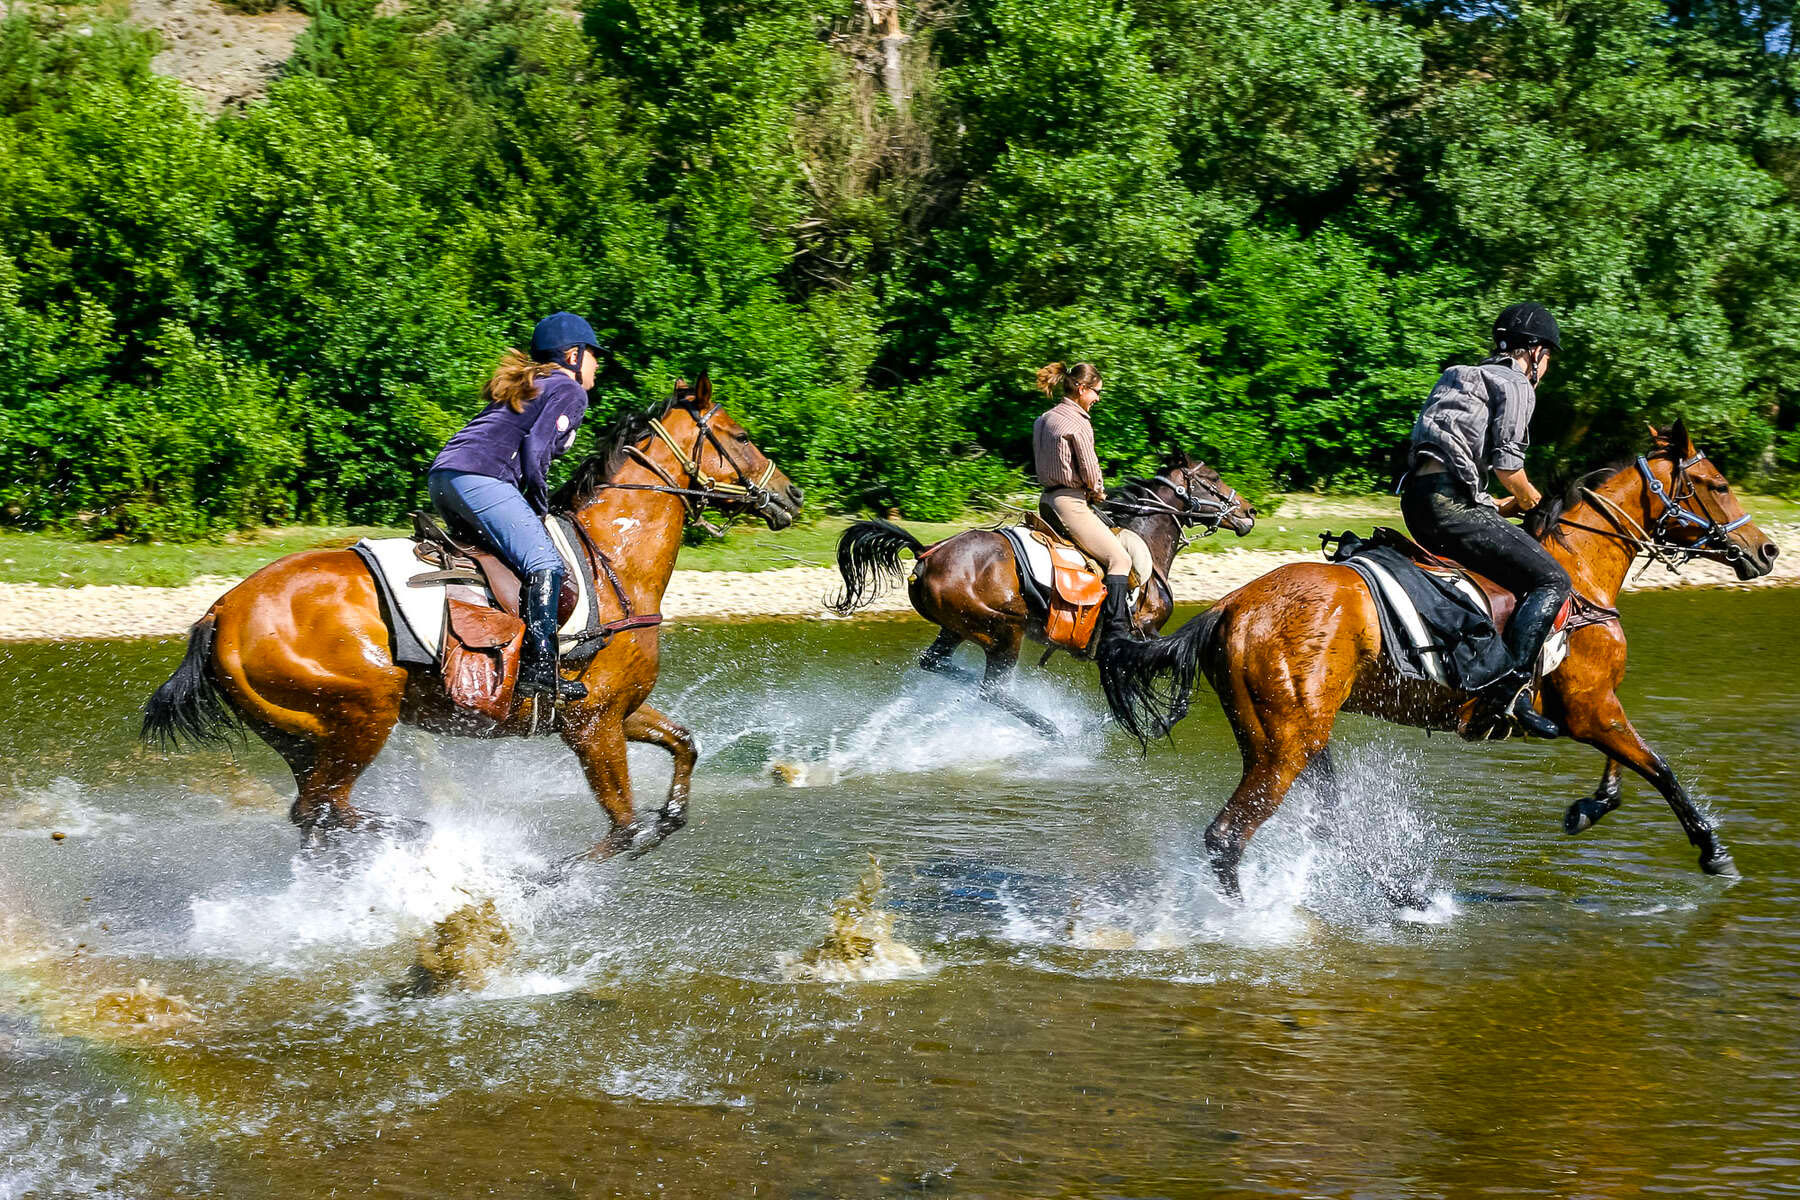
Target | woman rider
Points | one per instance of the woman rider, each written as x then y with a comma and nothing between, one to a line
1478,419
490,480
1062,442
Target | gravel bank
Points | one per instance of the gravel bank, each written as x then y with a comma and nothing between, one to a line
31,611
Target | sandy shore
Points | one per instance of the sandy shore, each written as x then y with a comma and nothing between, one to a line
32,611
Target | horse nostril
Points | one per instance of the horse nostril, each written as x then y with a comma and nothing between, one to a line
797,494
1769,551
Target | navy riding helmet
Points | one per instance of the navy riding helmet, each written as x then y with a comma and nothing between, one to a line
557,332
1524,325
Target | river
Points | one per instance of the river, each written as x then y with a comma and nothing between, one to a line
1586,1017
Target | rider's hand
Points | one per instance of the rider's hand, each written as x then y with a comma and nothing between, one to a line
1510,507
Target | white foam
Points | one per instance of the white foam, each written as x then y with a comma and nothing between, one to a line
397,892
58,808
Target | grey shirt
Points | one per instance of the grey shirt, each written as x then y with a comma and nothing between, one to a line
1477,419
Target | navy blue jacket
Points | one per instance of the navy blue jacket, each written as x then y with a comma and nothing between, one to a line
517,447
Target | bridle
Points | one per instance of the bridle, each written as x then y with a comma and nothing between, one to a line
1714,541
1206,513
706,492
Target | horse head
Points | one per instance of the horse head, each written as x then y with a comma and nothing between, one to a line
1689,507
1212,501
725,469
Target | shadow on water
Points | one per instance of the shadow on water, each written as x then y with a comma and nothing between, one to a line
189,1006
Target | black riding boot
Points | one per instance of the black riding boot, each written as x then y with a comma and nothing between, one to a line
538,675
1525,637
1115,610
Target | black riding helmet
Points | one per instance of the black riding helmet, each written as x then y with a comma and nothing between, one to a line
1525,325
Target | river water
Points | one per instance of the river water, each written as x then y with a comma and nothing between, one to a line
1571,1017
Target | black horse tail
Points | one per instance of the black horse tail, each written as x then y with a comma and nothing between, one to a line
1148,684
190,705
868,552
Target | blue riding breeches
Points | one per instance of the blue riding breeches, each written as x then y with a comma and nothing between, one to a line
497,512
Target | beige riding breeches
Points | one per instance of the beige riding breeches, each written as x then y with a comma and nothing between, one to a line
1069,507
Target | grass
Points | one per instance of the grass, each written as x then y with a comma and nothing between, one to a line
1291,522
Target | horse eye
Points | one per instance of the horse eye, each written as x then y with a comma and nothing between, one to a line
741,436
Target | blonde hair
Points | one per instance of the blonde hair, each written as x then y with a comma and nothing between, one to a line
513,380
1068,381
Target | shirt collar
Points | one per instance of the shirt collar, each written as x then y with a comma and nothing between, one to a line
1069,402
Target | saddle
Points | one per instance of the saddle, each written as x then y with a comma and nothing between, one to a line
467,562
1442,622
479,660
1072,596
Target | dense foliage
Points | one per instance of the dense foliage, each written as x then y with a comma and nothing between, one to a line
1270,222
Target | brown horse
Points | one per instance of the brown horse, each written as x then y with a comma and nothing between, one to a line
300,652
1288,651
968,585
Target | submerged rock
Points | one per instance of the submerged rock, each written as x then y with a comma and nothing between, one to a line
860,945
462,950
144,1007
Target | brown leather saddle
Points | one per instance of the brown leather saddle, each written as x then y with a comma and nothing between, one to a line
469,563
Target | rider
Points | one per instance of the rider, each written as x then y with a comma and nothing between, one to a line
490,478
1062,442
1477,420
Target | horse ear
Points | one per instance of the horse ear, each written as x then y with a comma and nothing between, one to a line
703,390
1679,439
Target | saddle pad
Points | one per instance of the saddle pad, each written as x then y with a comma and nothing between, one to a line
1036,556
422,608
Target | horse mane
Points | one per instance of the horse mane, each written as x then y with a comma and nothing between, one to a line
626,431
1564,493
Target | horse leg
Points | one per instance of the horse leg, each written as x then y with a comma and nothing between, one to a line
936,658
996,682
650,726
1602,724
325,773
1584,812
1269,771
598,740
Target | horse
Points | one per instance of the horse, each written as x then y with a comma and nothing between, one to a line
300,654
1288,651
968,585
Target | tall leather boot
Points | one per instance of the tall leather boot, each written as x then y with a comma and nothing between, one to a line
538,675
1115,610
1525,637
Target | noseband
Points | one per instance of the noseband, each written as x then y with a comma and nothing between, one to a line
1714,541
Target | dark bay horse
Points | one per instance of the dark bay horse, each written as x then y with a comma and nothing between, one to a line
1290,650
299,652
968,585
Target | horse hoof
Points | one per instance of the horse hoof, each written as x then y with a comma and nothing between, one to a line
1585,813
1718,862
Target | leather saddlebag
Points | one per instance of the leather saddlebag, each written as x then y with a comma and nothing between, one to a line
481,658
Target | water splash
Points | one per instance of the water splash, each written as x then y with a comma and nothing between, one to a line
861,944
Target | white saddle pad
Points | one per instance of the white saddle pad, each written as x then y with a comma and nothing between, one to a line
423,609
1038,557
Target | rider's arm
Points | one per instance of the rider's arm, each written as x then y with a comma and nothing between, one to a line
552,432
1513,401
1087,467
1524,495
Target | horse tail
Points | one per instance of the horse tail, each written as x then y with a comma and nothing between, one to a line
190,705
1148,683
868,552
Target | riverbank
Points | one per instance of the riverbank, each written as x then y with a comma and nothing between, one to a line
31,611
